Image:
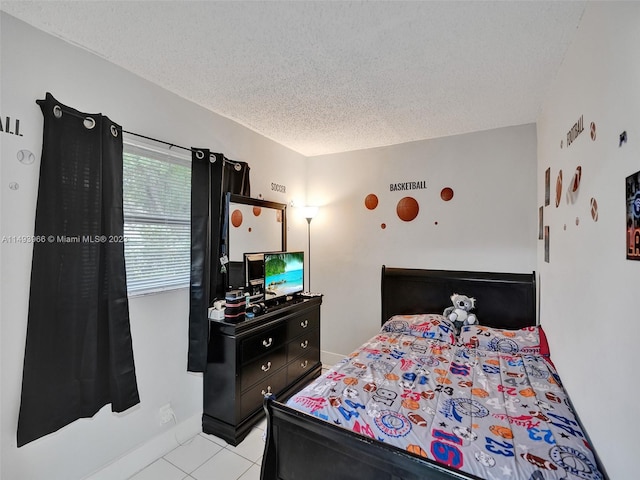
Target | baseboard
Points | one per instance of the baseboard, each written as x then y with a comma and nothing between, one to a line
134,461
329,359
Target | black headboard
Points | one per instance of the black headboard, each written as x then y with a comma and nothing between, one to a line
503,300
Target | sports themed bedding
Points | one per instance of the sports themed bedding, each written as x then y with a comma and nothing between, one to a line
487,402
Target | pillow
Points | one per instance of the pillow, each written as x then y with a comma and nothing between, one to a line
430,325
528,340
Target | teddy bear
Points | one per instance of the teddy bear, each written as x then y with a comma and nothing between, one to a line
459,313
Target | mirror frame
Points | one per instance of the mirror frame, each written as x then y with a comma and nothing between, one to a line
256,202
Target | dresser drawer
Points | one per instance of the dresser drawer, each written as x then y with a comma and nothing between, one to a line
304,343
251,400
306,321
302,364
263,342
263,367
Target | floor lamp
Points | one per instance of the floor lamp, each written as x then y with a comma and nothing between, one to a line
309,213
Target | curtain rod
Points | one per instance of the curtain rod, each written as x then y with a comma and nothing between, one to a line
57,111
224,159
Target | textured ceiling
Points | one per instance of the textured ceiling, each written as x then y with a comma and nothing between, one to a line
333,76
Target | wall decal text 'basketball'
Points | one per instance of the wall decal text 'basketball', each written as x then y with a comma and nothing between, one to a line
398,187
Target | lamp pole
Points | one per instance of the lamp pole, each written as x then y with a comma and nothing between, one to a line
309,213
309,248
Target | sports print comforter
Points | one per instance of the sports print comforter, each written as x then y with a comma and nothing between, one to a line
492,406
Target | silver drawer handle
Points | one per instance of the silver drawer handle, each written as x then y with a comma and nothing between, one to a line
266,367
267,343
304,323
304,364
304,344
268,392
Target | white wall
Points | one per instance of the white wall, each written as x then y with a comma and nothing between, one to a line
32,64
589,291
490,224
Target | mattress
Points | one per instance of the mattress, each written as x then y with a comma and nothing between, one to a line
487,402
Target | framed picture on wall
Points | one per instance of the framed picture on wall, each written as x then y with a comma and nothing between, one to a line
540,223
547,187
633,216
546,243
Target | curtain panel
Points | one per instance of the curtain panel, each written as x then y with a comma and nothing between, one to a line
212,175
78,352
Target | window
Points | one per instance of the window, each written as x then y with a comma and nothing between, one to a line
157,218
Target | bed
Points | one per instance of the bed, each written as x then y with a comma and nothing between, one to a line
420,401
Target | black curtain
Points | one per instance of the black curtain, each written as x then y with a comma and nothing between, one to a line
78,352
212,175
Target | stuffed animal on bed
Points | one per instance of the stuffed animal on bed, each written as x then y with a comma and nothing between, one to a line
460,314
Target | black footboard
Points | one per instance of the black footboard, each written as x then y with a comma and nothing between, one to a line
302,447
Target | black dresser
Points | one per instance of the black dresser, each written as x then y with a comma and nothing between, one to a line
276,352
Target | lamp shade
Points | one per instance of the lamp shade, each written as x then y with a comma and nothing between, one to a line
309,212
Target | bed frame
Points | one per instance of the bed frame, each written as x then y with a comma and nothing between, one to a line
299,446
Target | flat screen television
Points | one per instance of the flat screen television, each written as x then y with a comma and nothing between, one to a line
283,274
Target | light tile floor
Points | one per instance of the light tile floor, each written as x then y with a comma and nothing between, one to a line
206,457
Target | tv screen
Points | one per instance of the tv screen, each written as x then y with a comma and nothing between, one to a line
283,274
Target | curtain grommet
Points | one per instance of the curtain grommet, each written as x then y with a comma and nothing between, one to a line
57,111
199,154
213,158
238,167
89,123
114,131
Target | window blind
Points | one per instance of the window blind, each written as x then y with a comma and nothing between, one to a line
157,216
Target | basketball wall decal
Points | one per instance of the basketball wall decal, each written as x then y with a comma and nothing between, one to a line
257,211
559,188
407,209
236,218
594,209
446,194
383,226
371,201
593,131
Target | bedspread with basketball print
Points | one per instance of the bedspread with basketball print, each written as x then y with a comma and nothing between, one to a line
491,414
